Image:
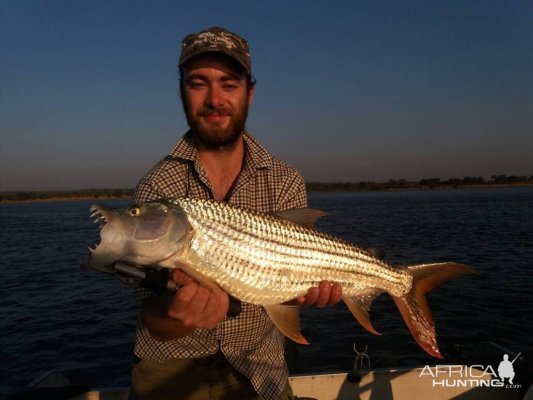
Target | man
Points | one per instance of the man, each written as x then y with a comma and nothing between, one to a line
186,344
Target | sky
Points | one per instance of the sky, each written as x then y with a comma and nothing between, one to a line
346,90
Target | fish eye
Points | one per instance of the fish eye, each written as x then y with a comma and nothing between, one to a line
134,211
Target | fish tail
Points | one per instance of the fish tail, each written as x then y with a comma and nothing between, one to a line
414,307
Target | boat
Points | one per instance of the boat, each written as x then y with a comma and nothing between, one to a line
463,381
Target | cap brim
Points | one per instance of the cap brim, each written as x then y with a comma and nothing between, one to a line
184,60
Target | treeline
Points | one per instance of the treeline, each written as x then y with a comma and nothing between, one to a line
68,194
427,183
393,184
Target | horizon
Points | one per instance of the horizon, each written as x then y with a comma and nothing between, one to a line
496,180
346,92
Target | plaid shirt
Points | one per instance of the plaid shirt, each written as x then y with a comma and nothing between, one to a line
250,342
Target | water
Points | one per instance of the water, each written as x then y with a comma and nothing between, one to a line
54,316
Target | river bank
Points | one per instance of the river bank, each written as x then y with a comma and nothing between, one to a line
325,187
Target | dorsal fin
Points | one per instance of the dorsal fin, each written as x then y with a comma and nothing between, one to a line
305,217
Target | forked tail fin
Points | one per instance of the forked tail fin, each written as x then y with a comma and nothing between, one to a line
414,307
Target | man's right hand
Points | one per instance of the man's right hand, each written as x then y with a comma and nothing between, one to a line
172,316
196,306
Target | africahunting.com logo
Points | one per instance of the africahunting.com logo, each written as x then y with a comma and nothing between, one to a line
473,375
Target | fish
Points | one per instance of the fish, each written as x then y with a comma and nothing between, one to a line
267,259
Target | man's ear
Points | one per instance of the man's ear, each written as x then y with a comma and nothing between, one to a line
251,94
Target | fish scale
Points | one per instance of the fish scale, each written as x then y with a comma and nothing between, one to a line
282,260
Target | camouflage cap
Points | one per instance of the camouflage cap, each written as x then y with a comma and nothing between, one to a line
216,39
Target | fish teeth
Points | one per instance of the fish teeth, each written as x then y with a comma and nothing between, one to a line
97,216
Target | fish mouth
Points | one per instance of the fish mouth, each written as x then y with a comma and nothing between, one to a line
100,215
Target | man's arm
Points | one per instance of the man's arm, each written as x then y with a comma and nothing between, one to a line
172,316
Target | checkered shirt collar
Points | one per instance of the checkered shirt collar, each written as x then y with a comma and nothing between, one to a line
256,155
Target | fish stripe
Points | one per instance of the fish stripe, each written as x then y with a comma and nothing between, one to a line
286,264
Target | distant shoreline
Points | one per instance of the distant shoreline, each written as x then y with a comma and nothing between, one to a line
317,187
58,198
424,188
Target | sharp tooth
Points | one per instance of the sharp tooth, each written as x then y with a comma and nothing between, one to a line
98,218
92,247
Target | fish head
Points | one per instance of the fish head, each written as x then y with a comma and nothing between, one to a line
143,234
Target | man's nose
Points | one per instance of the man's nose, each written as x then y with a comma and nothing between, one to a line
215,97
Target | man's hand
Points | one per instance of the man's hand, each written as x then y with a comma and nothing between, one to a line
172,316
325,294
196,306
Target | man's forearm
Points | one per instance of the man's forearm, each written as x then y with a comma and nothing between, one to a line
154,316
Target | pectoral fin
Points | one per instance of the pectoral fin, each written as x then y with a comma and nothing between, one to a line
287,320
191,271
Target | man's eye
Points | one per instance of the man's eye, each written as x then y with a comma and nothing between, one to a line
230,86
196,84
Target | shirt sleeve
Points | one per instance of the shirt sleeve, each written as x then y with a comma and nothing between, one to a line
146,191
293,193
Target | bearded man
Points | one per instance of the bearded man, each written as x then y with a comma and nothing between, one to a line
187,346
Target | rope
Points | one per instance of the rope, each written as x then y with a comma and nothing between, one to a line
362,360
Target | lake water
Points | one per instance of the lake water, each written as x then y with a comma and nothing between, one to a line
55,316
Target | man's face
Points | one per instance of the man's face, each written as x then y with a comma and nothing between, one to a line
215,99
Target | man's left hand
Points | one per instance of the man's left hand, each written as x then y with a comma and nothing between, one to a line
325,294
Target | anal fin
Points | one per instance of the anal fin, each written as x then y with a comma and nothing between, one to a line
359,306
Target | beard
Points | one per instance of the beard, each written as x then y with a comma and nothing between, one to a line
215,136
